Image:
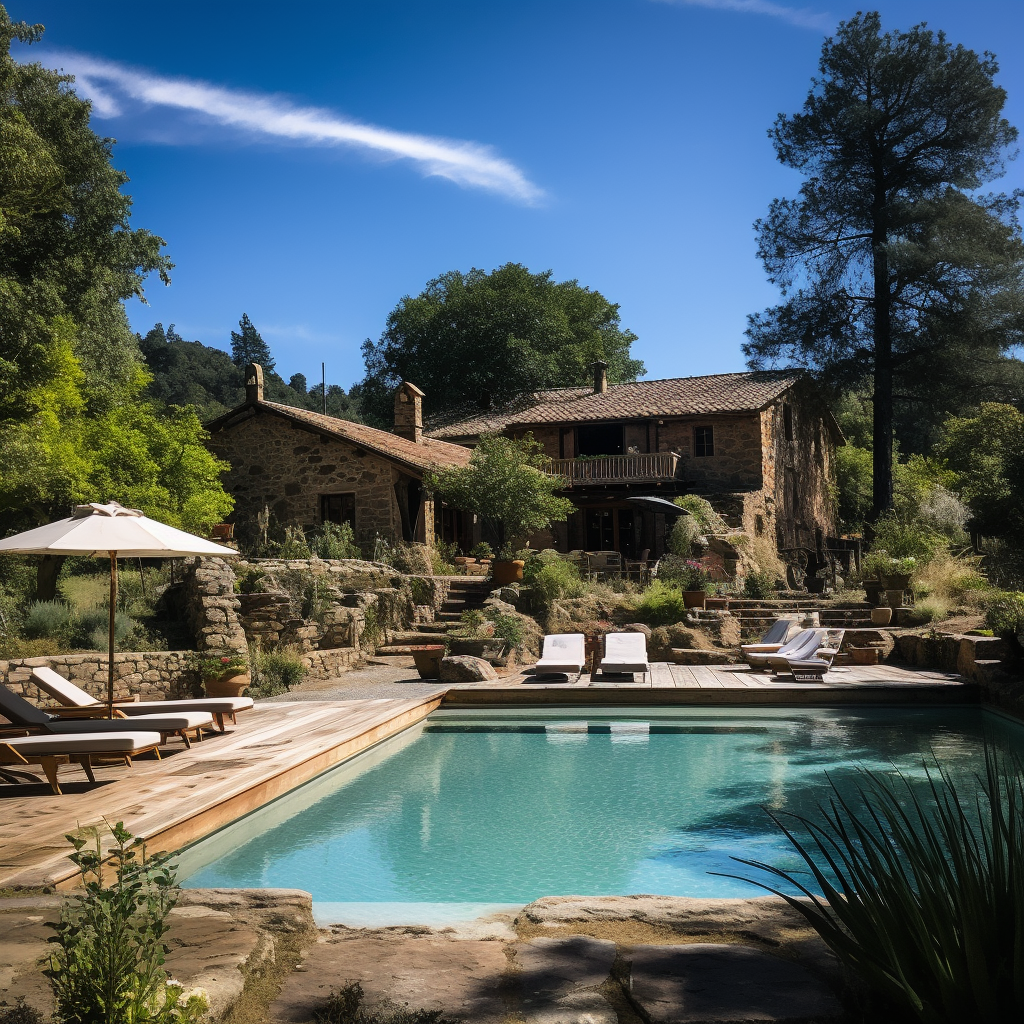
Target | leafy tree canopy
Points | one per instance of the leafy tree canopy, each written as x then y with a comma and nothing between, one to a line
895,272
505,487
476,338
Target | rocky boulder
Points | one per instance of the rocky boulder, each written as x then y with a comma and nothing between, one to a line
461,668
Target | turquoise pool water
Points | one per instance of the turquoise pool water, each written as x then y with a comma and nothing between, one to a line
488,808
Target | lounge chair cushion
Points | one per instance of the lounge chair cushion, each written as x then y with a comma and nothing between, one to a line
777,635
74,696
803,645
563,652
95,743
625,652
161,723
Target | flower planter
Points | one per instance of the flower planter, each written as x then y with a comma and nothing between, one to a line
428,660
881,616
231,684
505,573
864,655
494,649
896,581
873,591
895,598
694,598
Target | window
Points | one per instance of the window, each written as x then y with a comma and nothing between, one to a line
599,439
338,508
703,441
787,420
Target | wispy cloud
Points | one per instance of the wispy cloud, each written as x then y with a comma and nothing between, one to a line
803,17
117,90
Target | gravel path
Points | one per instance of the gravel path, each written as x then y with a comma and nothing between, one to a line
399,680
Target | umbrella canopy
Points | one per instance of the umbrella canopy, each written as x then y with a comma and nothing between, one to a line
119,532
656,504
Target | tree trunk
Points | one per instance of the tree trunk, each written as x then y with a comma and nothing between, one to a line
882,433
46,576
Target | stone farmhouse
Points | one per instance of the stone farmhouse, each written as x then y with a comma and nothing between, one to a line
308,469
759,446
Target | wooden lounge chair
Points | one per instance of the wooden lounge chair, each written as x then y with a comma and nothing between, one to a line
812,669
563,654
50,751
624,654
776,637
81,721
72,696
803,645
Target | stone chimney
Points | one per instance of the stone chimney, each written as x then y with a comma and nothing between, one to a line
409,412
600,377
253,384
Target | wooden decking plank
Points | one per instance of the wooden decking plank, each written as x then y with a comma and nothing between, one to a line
705,677
661,676
682,676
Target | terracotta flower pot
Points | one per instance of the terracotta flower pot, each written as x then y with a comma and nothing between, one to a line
881,616
230,684
504,573
428,660
694,598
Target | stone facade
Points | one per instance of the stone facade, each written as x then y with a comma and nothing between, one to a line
211,606
281,466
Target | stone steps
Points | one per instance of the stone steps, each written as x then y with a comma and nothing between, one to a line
405,637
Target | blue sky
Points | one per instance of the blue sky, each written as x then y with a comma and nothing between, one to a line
309,164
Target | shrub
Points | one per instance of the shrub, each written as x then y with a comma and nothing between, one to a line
901,539
508,627
1005,614
928,609
555,581
20,1013
274,672
93,626
660,604
481,550
413,559
294,544
252,581
108,965
922,886
422,591
956,579
759,586
335,540
684,573
48,619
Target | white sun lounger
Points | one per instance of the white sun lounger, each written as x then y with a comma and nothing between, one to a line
624,654
776,637
50,751
26,715
803,645
563,654
73,696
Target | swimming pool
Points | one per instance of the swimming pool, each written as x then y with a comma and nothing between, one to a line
490,808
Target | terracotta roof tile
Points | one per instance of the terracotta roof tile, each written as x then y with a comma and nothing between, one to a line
428,453
676,396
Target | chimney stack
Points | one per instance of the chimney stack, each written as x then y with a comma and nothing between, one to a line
409,412
600,377
253,384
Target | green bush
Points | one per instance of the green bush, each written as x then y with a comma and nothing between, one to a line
294,544
903,539
48,619
334,540
508,627
108,964
928,609
92,629
252,581
1005,614
274,672
759,586
922,886
555,581
20,1013
660,605
482,550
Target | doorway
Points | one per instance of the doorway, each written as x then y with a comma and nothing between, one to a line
614,529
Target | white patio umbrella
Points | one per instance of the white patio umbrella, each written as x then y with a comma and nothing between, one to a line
118,532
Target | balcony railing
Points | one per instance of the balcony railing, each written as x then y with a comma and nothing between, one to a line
616,468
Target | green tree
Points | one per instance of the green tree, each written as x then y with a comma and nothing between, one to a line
247,346
893,269
505,486
476,338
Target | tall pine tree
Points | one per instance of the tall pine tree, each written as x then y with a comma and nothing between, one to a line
248,347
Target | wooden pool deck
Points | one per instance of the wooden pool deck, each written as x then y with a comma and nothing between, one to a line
278,746
721,684
191,793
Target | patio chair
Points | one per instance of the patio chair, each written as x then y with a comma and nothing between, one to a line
50,751
813,669
82,721
563,654
72,696
776,637
803,645
624,654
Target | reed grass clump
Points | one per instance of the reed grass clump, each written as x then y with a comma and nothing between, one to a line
921,888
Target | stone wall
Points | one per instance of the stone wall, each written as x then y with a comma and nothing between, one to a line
151,675
736,463
210,606
280,465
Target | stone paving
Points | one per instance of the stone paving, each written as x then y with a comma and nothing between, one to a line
375,680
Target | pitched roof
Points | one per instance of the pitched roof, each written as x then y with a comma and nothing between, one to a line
428,453
676,396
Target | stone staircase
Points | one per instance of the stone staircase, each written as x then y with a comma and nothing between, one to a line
464,593
756,616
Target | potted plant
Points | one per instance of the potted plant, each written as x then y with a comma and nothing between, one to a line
224,675
897,572
695,580
428,660
506,486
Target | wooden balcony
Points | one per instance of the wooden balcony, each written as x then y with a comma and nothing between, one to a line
613,469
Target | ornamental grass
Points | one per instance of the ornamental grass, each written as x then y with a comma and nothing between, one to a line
921,888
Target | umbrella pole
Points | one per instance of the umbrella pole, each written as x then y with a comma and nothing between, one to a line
110,634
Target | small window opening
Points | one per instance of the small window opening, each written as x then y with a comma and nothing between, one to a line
703,441
758,525
338,508
787,420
